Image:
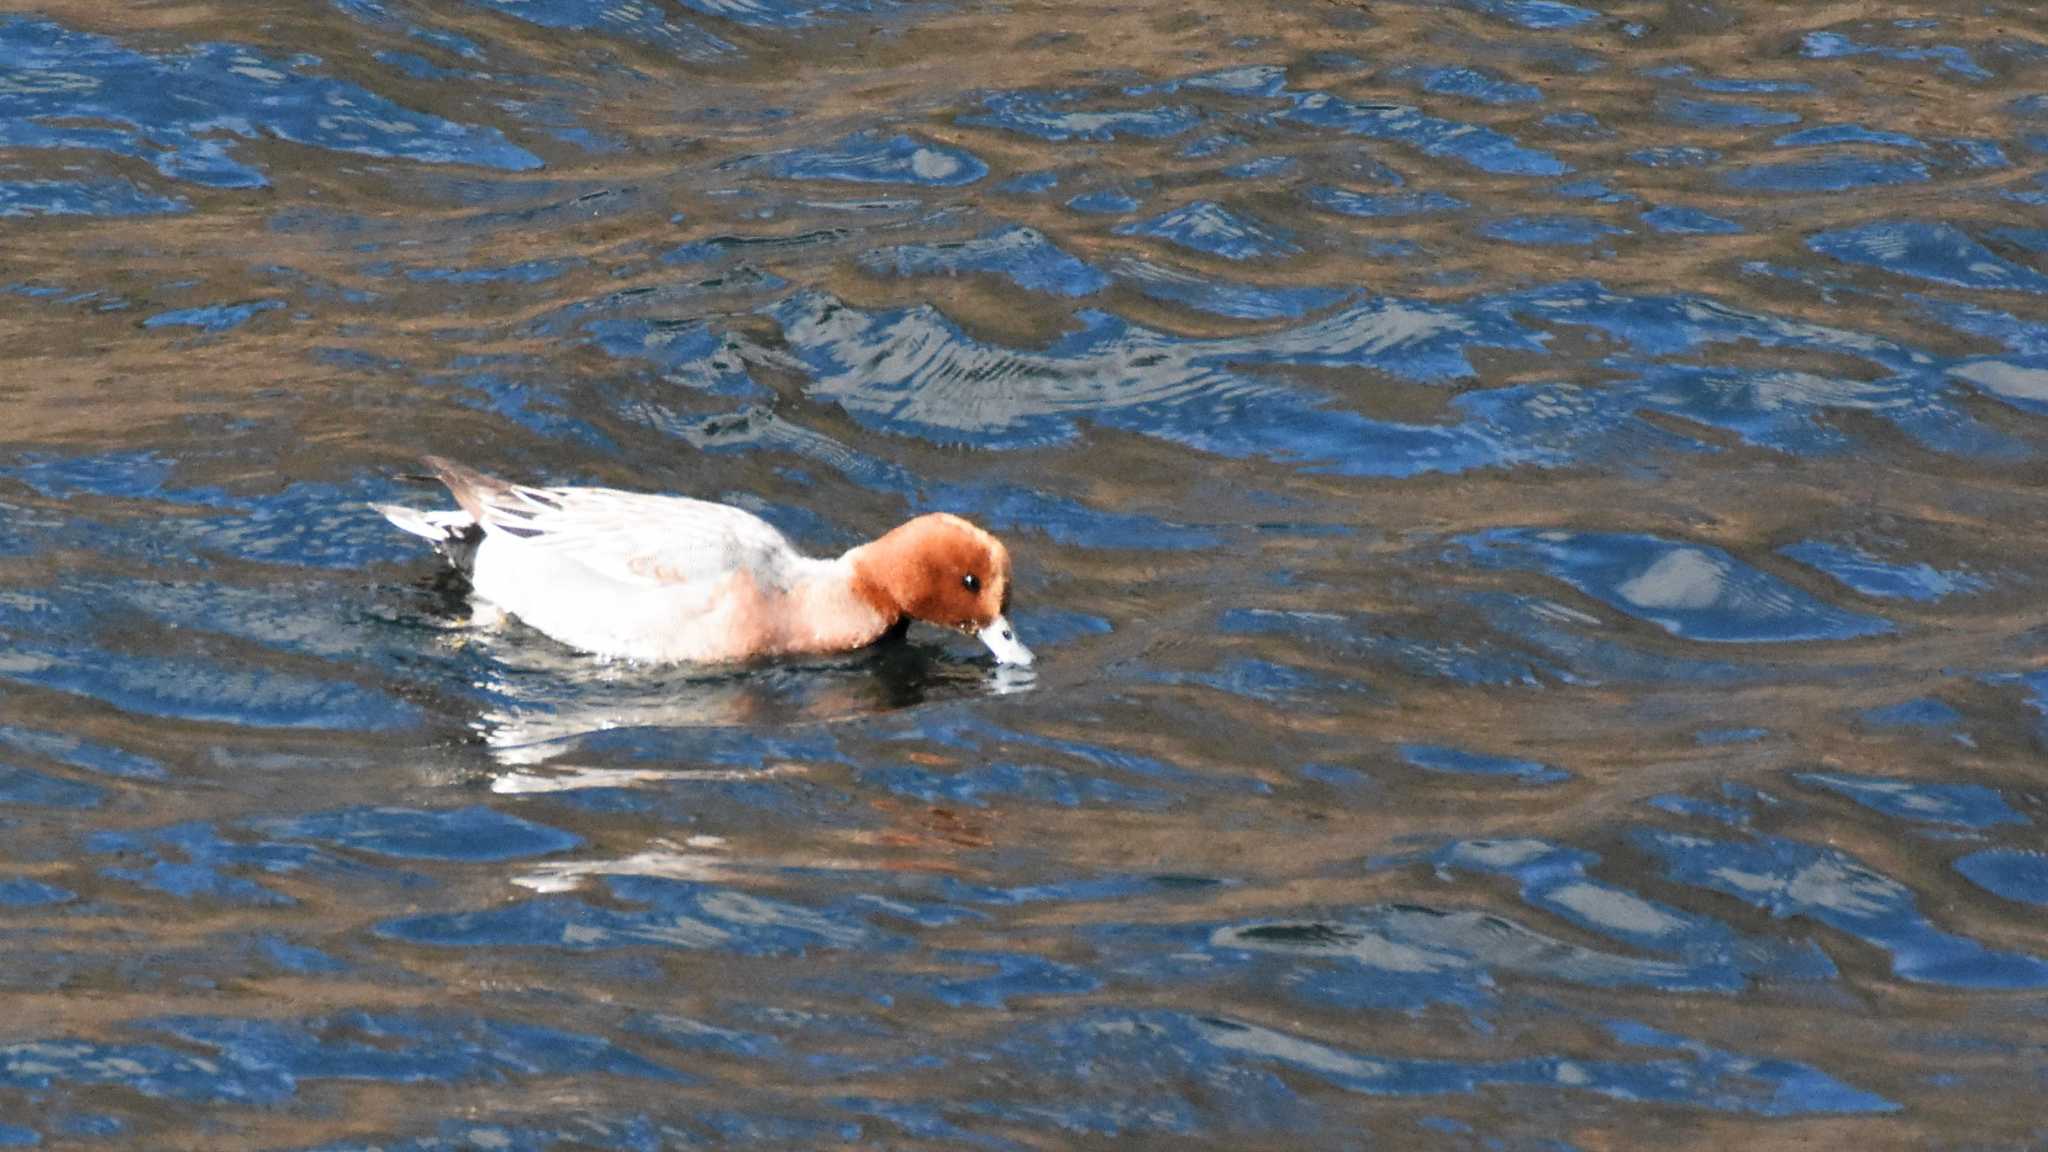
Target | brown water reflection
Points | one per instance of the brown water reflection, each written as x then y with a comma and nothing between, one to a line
1524,511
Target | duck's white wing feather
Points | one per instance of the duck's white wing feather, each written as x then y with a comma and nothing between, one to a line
635,538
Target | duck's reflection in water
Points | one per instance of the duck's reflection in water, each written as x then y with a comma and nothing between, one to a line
557,721
547,702
661,858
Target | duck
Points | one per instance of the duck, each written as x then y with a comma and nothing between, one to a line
673,580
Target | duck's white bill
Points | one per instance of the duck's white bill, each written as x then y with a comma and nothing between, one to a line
1002,640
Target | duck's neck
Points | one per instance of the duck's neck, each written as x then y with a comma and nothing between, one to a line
836,605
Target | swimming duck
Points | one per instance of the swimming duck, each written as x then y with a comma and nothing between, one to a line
670,579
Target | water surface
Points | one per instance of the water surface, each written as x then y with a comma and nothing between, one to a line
1527,512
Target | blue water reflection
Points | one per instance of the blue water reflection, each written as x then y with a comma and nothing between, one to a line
1526,511
173,110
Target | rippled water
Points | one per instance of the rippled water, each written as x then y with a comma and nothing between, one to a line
1528,512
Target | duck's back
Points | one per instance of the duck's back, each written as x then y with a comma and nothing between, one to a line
631,575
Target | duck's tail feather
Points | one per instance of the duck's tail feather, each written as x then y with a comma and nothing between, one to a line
452,532
466,484
438,525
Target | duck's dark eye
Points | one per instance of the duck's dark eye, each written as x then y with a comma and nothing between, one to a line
971,582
